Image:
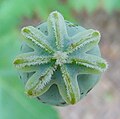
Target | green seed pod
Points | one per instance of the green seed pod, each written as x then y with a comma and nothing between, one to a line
60,62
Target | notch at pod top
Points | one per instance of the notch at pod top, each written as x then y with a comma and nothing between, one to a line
59,62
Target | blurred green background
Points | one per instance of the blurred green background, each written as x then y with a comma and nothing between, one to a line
103,15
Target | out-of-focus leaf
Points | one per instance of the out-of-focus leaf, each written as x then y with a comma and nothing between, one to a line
91,5
15,105
76,4
13,11
111,5
9,47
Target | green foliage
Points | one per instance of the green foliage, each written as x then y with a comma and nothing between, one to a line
12,11
15,105
89,5
111,5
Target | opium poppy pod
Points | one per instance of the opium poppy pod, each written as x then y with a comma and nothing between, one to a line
60,62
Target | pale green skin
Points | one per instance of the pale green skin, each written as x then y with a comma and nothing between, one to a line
86,80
